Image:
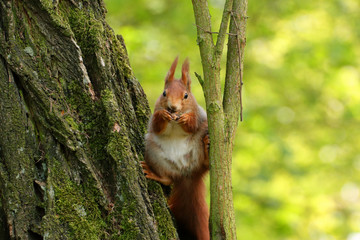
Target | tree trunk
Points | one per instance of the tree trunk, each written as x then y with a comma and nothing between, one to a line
72,120
223,108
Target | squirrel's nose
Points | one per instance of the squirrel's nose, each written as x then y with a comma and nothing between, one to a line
172,108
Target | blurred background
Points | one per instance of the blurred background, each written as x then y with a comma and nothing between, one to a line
296,164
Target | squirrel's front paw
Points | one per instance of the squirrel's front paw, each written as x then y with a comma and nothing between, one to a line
184,118
166,115
188,122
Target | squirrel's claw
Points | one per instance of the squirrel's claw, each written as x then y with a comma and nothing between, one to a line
167,115
151,175
184,118
206,140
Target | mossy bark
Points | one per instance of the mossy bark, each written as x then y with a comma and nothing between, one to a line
72,120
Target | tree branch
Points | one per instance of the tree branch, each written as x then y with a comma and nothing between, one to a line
203,23
201,81
212,84
232,101
241,42
213,32
222,31
222,125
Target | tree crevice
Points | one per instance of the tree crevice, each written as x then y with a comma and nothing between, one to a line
74,119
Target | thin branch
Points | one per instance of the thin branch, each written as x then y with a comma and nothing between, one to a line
240,67
232,101
212,89
201,81
206,30
231,34
203,22
241,42
222,31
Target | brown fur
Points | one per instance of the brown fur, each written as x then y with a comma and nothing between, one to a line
188,122
187,202
159,121
178,117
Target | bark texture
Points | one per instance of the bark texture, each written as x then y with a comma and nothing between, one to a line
223,108
72,120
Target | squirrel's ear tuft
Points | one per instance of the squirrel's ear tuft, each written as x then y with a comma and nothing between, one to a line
170,74
185,77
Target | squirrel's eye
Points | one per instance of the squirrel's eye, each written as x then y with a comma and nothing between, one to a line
186,96
164,93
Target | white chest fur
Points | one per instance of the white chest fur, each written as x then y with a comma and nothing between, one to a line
177,150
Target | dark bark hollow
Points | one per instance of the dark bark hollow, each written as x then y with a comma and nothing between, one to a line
72,121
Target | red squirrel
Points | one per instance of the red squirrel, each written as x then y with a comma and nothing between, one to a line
176,152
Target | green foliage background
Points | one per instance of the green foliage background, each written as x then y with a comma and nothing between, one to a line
296,165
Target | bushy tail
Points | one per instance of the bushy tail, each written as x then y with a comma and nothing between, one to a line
187,202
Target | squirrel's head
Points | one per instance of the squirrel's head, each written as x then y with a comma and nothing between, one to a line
177,93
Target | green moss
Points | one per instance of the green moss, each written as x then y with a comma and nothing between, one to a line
52,228
87,30
142,114
93,121
164,222
57,15
163,218
129,227
66,115
118,48
109,103
22,38
77,205
73,125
